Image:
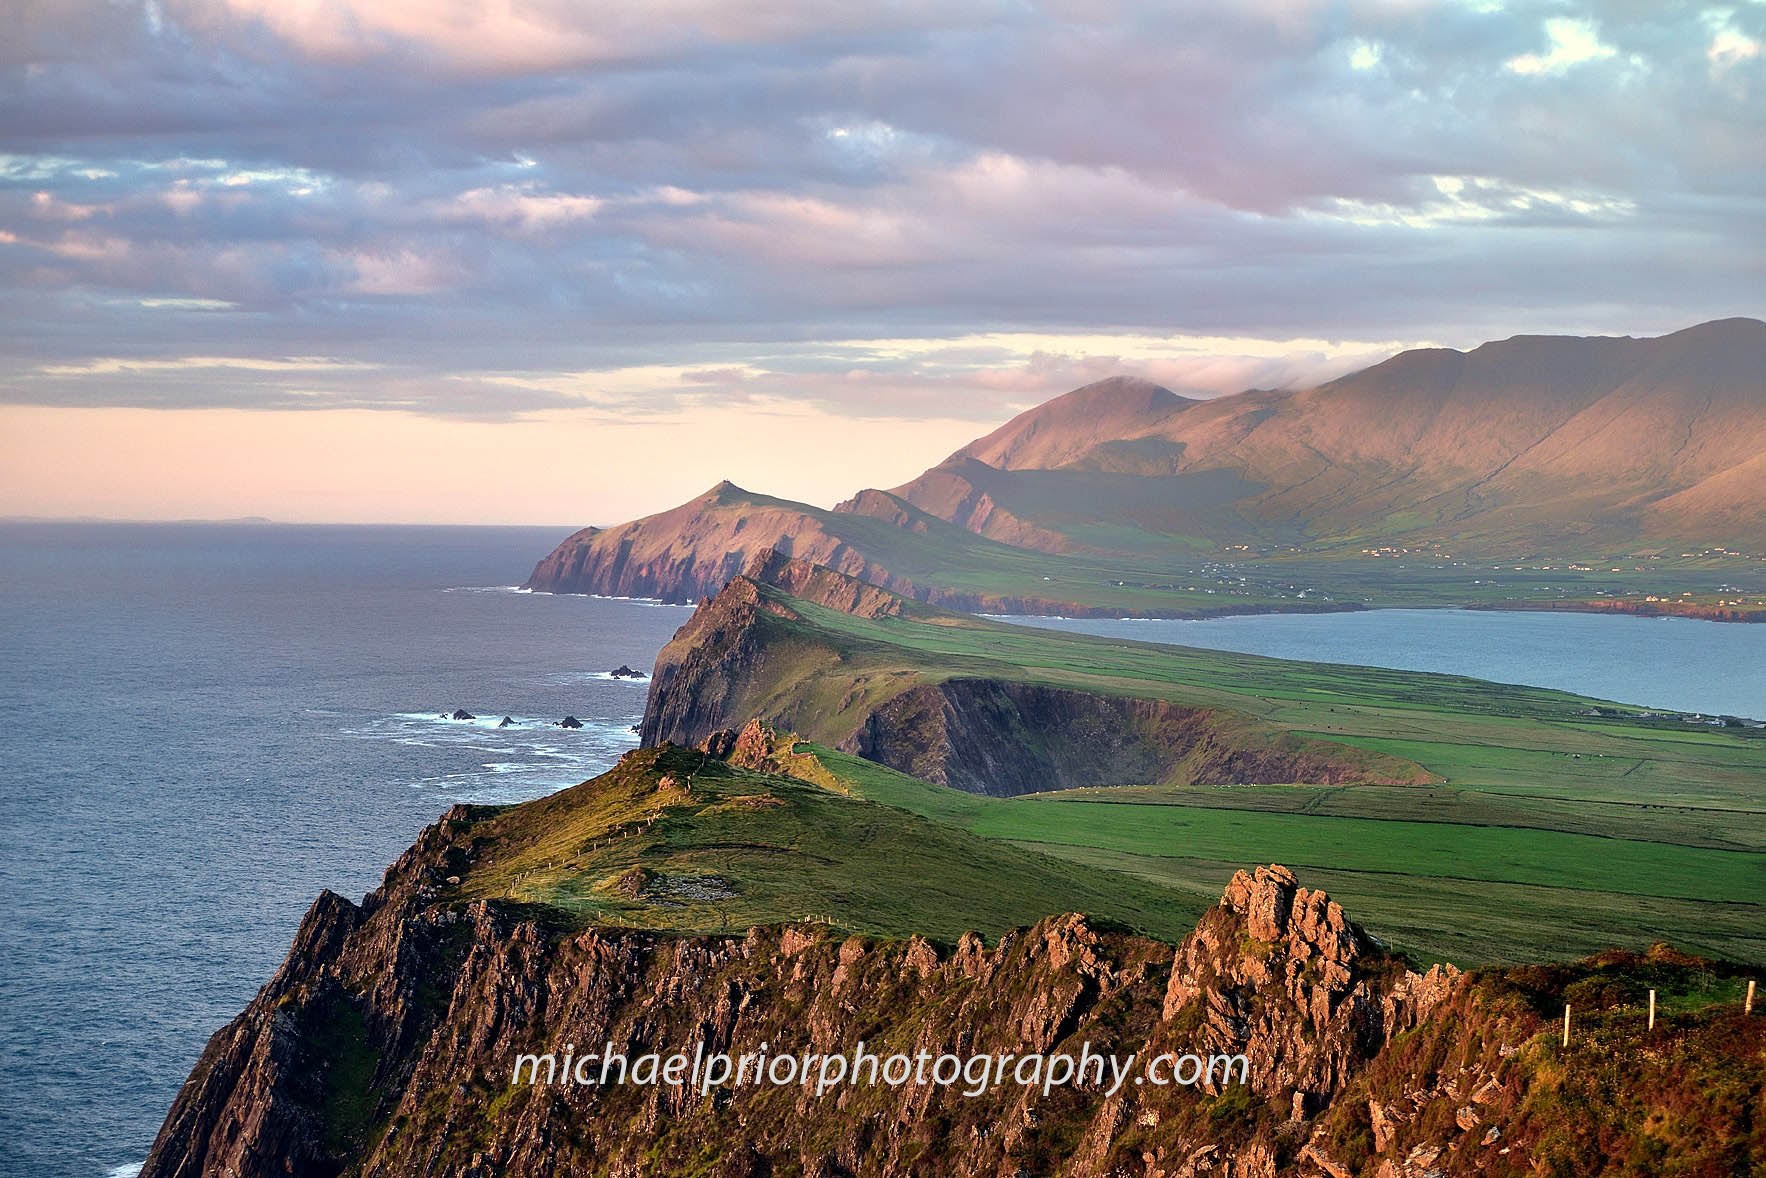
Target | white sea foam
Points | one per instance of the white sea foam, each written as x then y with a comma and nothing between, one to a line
531,758
525,591
126,1170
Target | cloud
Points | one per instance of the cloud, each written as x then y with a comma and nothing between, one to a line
649,207
522,207
115,366
1572,42
521,36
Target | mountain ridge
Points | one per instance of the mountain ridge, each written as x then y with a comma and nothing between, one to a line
1573,447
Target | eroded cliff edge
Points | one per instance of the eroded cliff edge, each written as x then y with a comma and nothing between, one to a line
758,649
385,1045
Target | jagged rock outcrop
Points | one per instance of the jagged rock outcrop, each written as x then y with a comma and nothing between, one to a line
386,1044
386,1040
1278,970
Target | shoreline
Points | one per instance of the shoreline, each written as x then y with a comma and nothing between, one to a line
1010,607
1742,615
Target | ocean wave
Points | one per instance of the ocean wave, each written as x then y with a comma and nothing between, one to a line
526,592
476,760
441,723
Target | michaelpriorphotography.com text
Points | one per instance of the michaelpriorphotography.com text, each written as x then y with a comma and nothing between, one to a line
974,1074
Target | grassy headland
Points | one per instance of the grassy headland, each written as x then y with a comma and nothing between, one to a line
1547,829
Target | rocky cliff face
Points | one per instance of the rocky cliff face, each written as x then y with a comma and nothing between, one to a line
690,552
991,737
386,1043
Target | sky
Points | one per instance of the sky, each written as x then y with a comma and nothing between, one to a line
539,261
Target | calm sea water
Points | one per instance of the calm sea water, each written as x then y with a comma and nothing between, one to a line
201,726
1676,664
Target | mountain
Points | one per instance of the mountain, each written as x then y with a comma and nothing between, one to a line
1529,447
1531,443
690,551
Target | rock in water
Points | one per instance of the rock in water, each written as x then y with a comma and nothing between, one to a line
570,722
505,722
463,714
625,672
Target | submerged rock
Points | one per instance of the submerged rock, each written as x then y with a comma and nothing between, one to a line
506,722
570,722
462,714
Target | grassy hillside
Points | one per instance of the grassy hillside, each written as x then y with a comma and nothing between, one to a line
1552,831
670,839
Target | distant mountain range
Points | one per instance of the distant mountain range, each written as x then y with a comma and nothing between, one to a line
1564,446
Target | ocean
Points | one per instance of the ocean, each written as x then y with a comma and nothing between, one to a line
204,725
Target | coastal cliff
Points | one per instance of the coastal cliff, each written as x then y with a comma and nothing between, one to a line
385,1045
750,652
733,892
692,551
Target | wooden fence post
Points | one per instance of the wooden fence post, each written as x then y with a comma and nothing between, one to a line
1652,1010
1747,1007
1566,1024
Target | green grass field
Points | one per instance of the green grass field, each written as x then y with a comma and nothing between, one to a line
1455,890
1553,831
735,849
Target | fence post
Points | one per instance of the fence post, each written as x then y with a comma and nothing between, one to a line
1748,1006
1566,1024
1652,1010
